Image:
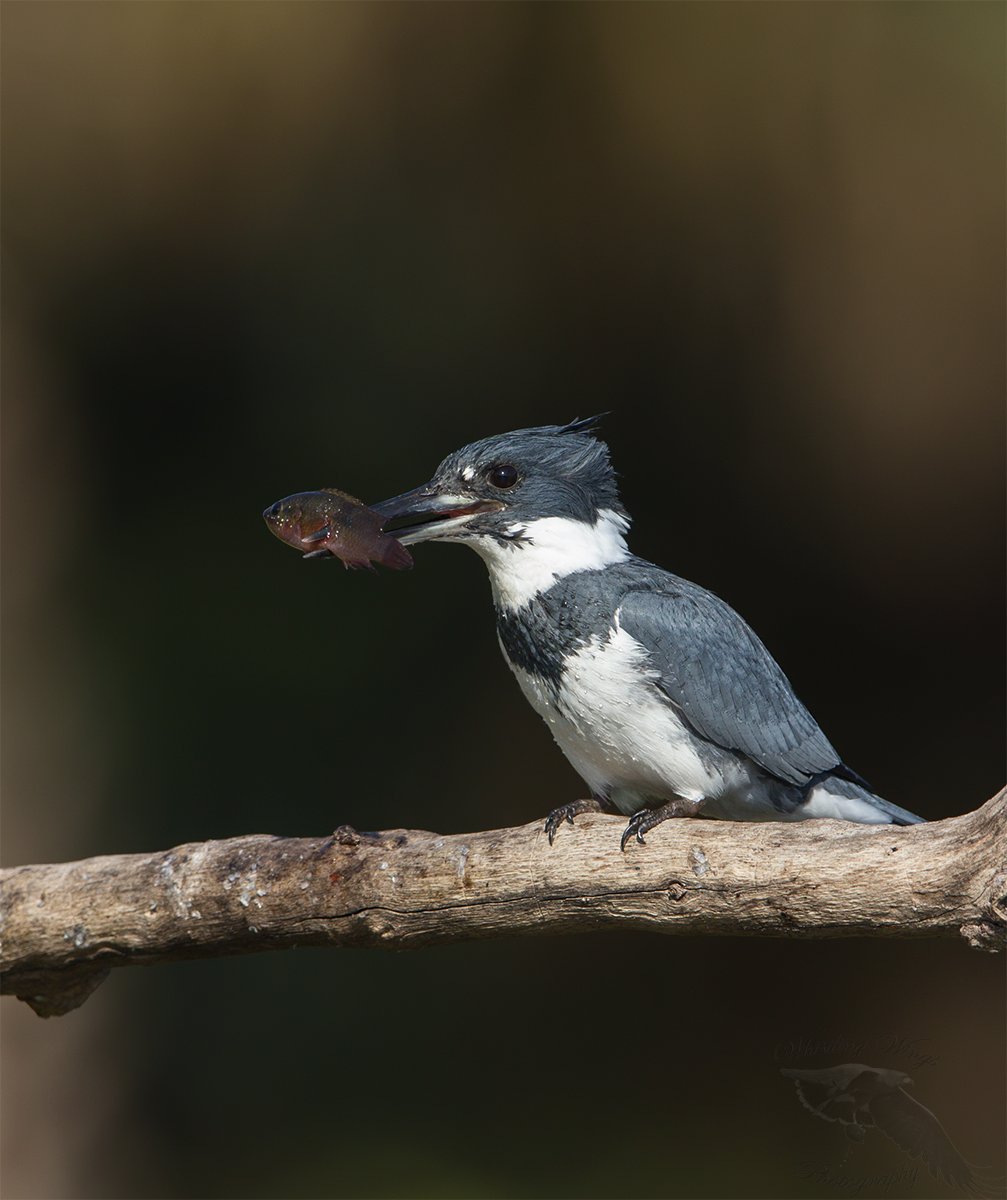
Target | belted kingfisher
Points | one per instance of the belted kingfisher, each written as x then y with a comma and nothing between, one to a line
659,694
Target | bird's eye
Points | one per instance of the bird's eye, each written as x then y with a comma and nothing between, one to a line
502,476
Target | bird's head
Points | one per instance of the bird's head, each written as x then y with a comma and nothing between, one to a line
494,491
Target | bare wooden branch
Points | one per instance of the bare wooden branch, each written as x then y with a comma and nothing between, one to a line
65,925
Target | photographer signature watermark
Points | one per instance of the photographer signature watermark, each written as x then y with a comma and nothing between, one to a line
859,1185
908,1050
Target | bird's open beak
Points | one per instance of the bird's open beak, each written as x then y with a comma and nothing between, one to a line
426,513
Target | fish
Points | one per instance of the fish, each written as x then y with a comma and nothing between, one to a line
330,522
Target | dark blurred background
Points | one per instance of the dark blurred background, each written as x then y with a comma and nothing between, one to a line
255,248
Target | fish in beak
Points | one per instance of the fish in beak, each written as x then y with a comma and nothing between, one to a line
331,523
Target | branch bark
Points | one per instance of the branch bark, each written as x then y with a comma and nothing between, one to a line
66,925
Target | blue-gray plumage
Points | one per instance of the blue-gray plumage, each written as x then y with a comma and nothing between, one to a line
723,678
661,696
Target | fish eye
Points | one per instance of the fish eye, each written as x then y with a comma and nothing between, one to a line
502,476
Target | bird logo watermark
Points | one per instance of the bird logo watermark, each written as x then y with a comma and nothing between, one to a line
864,1101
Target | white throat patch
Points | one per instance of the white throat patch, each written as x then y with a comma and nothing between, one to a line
557,546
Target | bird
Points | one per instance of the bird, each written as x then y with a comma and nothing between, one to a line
861,1098
661,696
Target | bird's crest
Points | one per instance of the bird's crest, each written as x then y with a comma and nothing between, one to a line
585,424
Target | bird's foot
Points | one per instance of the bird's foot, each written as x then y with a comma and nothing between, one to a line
645,820
567,812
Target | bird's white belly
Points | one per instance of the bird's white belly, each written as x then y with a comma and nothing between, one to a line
622,736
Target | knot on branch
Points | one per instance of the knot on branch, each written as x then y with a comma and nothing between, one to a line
991,934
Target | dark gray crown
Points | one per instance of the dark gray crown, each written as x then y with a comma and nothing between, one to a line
564,471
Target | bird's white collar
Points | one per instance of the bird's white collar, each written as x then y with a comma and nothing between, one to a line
551,548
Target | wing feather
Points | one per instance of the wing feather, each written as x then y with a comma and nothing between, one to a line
725,682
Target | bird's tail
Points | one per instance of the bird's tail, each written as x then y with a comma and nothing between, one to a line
844,800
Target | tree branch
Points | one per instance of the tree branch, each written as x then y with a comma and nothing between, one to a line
65,925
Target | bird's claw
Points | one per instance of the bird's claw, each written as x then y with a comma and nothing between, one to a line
637,827
644,820
567,812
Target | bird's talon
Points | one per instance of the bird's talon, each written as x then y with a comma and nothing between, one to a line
567,812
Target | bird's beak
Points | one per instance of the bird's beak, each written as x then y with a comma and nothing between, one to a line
427,513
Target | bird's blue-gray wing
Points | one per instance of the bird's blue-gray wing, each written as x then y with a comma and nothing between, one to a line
725,682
